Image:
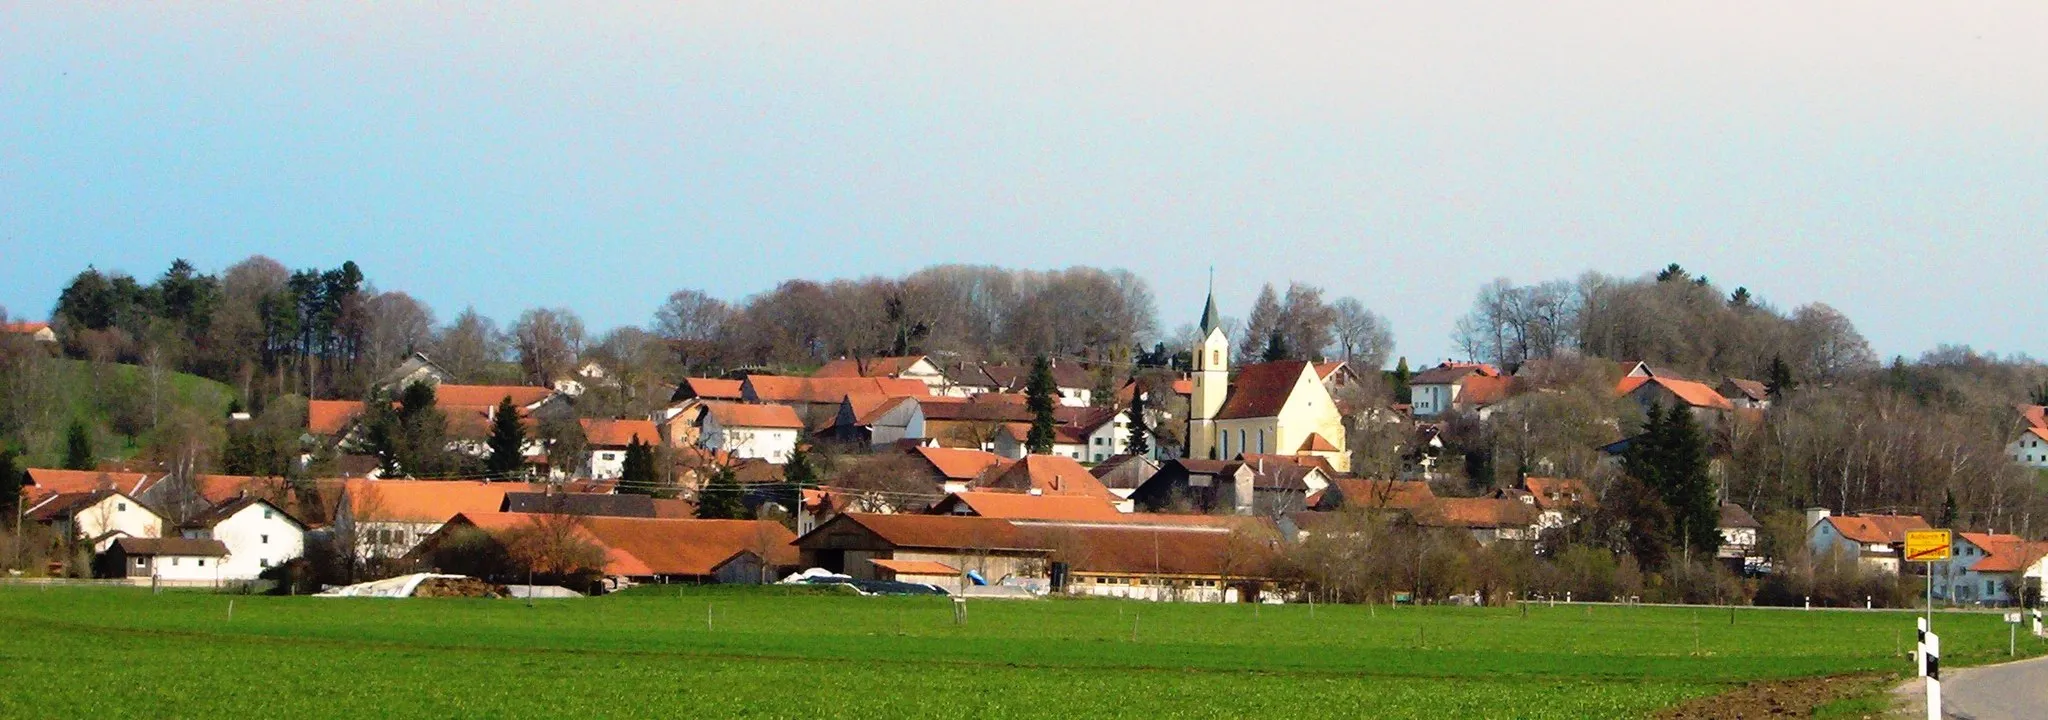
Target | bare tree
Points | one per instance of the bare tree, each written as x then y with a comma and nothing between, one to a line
469,346
548,341
690,321
1364,339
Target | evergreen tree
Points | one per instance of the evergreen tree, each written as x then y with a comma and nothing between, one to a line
1740,299
1276,347
1948,508
1688,488
1401,375
720,498
1780,380
507,441
1104,394
1140,442
636,474
2041,395
1040,399
78,447
799,471
11,480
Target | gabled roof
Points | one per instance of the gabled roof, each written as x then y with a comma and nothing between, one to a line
1746,389
1376,494
2010,556
1876,529
172,546
935,531
1734,517
1452,372
1049,474
957,464
426,501
1316,443
1476,513
23,328
78,481
1691,393
991,407
731,414
621,432
580,503
786,389
64,505
522,396
880,367
2041,433
1483,390
1025,506
707,389
2034,415
331,417
222,511
641,547
1558,493
1262,389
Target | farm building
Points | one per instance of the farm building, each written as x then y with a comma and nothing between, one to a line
634,550
171,560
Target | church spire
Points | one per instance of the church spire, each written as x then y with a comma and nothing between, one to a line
1210,318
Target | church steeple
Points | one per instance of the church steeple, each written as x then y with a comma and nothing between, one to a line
1211,319
1211,378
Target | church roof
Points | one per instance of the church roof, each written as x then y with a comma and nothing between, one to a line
1210,318
1261,390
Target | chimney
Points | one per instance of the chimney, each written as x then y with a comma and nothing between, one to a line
1814,515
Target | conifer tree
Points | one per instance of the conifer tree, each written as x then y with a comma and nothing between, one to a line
1688,488
1276,347
720,498
1140,442
1401,375
78,447
1780,380
636,474
507,441
1039,399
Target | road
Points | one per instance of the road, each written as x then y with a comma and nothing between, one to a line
2012,691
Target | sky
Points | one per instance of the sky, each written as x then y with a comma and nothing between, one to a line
1887,158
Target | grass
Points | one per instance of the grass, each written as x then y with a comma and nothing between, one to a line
84,392
122,653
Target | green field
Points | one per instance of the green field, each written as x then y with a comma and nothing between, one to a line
94,652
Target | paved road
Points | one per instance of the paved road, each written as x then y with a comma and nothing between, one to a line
2013,691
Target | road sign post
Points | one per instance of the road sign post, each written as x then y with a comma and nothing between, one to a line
1927,546
2012,635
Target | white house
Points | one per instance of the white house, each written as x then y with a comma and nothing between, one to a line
98,517
767,432
1013,441
1105,432
1740,543
608,440
36,331
1435,391
1873,540
2031,449
256,534
387,518
1989,569
909,367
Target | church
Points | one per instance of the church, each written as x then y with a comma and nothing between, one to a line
1275,408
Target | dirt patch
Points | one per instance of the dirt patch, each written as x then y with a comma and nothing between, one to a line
1778,698
458,588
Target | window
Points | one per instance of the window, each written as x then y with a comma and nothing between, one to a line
1262,441
1215,357
263,562
139,562
266,513
1240,442
1990,588
120,507
202,562
265,539
174,562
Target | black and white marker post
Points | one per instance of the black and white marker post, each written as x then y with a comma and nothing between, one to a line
1920,649
2037,623
1933,676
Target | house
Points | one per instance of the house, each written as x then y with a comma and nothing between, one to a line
1558,501
1122,474
1740,541
1658,391
1073,382
1013,441
911,367
35,331
1167,560
44,482
173,560
708,389
256,534
417,368
972,422
96,517
1981,567
608,441
2016,572
875,420
1029,506
1875,541
767,432
1200,486
331,420
387,518
1745,394
954,470
1103,432
1489,520
1278,407
2031,449
1347,492
551,501
1048,475
650,550
1436,390
816,400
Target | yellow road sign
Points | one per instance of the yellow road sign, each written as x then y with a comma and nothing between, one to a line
1927,545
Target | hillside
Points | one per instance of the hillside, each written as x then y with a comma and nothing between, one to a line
119,403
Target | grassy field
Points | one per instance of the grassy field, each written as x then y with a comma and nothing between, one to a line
126,653
78,390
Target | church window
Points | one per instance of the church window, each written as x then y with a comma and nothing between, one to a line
1215,358
1262,441
1240,442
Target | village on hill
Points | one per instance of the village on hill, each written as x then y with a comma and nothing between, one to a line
1274,459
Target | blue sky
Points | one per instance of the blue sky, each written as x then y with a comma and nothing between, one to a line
1890,159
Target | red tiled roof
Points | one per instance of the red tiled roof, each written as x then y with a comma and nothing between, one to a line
1025,506
914,567
995,407
50,480
426,501
2041,433
2012,556
1877,529
1397,494
330,417
784,389
1557,493
638,547
1261,390
1476,513
881,367
955,464
712,389
937,531
1750,389
1481,390
1449,373
731,414
1691,393
1316,443
620,432
490,395
23,328
1049,474
2034,415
